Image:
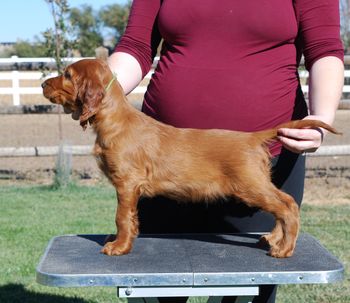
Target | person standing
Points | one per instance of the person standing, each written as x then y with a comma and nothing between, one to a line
233,65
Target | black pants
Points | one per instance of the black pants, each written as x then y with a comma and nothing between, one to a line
161,215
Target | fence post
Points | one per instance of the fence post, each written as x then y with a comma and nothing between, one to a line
101,53
15,87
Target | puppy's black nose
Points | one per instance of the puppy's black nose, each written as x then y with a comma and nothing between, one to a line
43,84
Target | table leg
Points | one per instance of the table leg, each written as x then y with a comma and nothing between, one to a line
143,300
246,299
215,299
243,299
135,300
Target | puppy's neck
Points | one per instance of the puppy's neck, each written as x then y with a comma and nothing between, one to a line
114,116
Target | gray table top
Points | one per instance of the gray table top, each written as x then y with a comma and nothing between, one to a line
184,260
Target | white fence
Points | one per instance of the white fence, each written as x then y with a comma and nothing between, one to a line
16,90
86,150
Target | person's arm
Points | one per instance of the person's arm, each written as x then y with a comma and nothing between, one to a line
325,89
319,33
127,69
133,56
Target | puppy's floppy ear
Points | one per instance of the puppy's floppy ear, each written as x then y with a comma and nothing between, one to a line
91,97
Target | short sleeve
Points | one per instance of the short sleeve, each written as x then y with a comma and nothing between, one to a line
319,29
141,37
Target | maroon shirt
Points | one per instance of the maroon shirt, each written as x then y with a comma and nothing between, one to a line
229,64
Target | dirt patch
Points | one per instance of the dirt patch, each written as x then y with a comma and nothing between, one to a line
327,191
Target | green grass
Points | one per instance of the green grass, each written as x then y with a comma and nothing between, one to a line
330,225
31,216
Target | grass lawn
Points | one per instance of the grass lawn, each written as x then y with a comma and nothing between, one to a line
31,216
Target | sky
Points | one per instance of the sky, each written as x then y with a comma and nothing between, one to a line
23,19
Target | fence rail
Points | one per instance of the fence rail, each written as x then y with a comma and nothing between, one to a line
86,150
14,76
16,90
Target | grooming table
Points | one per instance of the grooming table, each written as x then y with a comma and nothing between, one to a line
184,265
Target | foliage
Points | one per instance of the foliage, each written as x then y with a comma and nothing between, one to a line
77,30
24,48
57,41
115,17
85,25
59,46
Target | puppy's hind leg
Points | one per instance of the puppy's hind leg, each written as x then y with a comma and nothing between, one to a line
290,224
126,223
267,197
274,237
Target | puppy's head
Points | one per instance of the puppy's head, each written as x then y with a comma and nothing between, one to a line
80,89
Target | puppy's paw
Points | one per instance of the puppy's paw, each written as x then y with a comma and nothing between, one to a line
110,238
264,242
115,249
268,240
278,252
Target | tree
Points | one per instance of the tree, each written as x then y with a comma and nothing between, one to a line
57,40
115,17
26,49
60,46
85,24
345,23
75,31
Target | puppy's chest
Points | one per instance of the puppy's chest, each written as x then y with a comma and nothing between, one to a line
106,160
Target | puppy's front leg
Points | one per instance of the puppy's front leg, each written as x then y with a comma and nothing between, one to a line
127,225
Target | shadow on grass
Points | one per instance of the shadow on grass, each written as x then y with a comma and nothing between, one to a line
13,293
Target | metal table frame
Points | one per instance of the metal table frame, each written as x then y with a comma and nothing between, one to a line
184,265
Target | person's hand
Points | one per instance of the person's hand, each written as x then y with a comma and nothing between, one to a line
302,140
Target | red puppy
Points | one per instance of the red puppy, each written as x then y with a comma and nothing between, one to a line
143,157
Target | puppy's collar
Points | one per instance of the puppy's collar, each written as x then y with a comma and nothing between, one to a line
111,82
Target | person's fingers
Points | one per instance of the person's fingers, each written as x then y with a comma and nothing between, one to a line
300,140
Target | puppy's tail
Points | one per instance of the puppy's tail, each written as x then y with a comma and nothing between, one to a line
271,134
